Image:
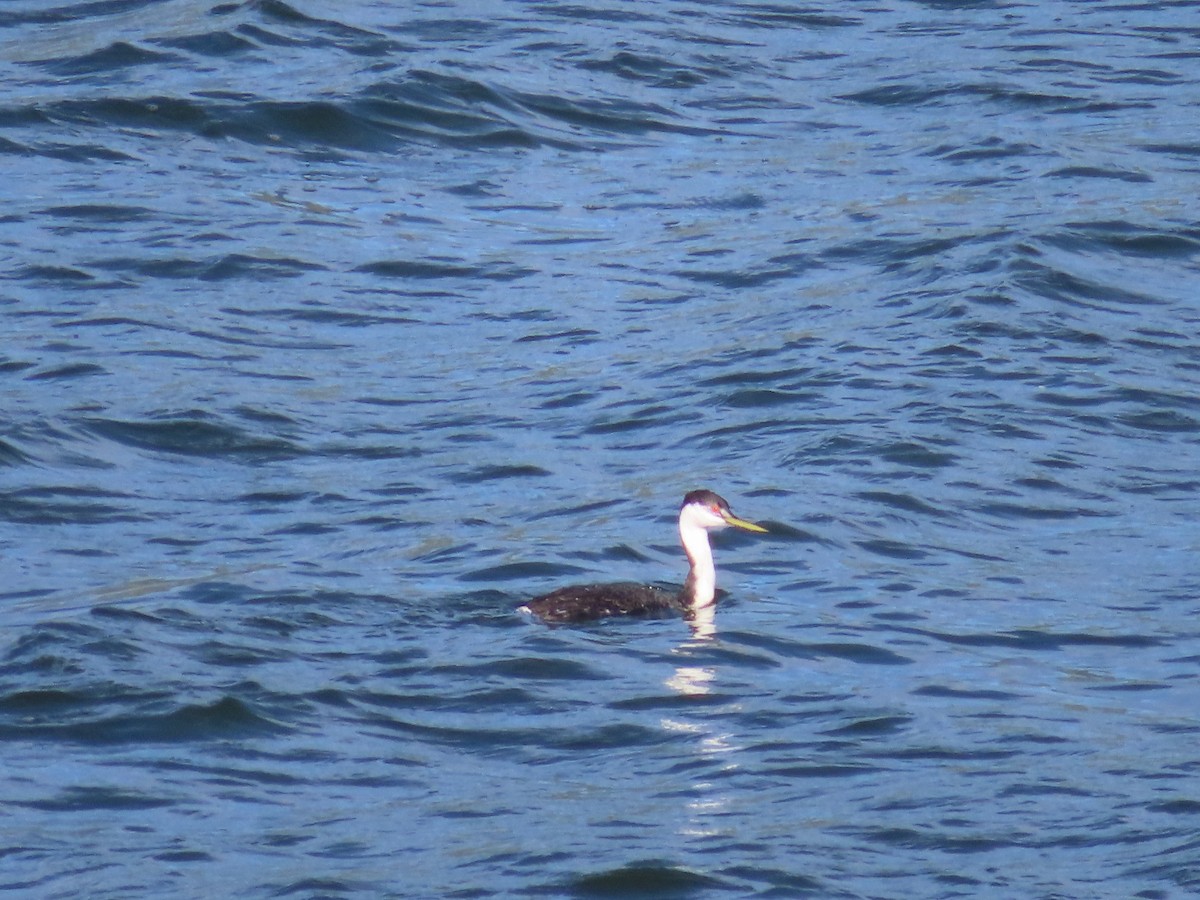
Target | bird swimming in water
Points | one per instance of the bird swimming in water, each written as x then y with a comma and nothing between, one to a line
702,512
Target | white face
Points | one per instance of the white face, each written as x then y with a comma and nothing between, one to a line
708,517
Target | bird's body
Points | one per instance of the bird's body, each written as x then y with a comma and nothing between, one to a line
702,511
584,602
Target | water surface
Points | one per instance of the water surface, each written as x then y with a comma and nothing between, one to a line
334,334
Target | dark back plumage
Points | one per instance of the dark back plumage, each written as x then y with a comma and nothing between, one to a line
584,602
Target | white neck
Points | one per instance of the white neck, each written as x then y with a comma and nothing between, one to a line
700,589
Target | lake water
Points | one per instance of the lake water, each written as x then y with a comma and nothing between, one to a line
334,332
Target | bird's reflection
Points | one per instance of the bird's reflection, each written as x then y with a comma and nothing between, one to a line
703,622
693,681
707,803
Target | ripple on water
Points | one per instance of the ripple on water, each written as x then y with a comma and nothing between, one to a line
198,434
67,505
227,719
648,878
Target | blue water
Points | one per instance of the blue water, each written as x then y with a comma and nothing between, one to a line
334,332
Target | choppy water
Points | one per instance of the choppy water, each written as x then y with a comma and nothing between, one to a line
332,332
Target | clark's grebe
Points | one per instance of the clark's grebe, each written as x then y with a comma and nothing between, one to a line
702,512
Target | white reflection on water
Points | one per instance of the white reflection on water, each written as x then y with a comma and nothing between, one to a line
712,747
693,681
703,623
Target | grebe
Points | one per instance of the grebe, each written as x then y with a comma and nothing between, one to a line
702,512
